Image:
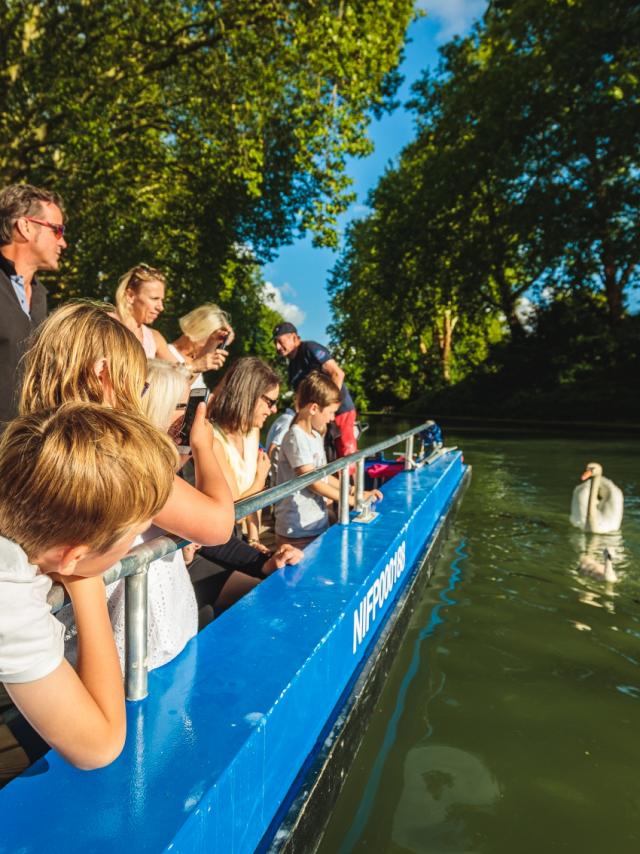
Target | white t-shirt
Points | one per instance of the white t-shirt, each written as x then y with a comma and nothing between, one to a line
31,639
305,513
279,428
276,434
171,605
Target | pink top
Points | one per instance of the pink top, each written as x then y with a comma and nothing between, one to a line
148,342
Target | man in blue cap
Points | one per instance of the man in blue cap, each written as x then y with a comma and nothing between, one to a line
307,356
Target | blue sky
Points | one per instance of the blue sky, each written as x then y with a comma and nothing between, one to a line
297,277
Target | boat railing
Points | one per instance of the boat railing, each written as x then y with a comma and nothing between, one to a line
135,565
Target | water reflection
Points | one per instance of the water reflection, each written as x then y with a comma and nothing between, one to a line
497,735
437,779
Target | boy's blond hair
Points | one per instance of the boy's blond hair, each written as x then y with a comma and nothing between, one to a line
317,388
60,364
83,474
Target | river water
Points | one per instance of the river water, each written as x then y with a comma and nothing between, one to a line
511,719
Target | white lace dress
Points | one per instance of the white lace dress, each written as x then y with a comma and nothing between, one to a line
172,607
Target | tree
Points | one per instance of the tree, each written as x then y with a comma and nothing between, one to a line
521,181
178,130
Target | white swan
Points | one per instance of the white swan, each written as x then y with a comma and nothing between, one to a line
597,503
602,571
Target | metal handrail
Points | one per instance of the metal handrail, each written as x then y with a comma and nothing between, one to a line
133,567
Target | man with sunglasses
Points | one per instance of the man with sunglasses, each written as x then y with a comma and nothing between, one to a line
31,239
307,356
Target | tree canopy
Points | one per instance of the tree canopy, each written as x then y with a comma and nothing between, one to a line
180,133
519,188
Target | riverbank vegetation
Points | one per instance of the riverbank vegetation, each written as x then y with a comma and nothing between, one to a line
198,137
496,268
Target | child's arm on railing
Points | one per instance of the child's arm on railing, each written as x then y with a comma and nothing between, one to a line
330,488
81,714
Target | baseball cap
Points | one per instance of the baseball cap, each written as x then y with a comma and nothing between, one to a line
283,328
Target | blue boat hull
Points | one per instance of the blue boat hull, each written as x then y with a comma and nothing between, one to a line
212,754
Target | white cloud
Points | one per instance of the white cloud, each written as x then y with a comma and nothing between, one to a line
454,16
273,297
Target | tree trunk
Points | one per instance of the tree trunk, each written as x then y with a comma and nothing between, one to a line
508,305
444,337
613,287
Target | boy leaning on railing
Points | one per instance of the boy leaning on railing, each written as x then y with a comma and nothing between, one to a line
76,484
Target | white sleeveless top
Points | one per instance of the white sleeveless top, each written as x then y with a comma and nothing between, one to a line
244,466
172,607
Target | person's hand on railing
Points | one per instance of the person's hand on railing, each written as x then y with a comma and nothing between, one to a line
368,496
284,555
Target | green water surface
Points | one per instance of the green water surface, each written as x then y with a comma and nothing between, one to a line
511,719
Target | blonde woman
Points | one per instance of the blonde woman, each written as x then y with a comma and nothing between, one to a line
204,330
139,301
81,352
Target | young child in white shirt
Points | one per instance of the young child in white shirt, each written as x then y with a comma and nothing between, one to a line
77,485
302,517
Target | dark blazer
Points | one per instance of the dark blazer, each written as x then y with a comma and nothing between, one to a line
15,329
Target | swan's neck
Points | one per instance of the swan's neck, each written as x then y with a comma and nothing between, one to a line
593,502
609,571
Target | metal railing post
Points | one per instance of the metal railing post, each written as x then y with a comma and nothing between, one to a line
344,496
408,453
135,639
359,484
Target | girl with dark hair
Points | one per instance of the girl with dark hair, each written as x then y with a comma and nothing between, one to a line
240,405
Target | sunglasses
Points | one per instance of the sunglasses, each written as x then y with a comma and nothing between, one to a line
271,403
56,227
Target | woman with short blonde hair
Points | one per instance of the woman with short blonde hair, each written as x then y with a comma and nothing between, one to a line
206,335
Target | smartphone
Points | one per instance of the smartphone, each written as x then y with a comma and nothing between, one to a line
223,344
198,395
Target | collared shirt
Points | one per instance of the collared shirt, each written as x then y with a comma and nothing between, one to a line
18,286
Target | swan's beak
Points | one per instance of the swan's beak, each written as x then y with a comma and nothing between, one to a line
586,475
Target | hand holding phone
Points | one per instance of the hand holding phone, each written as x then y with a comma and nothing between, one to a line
198,395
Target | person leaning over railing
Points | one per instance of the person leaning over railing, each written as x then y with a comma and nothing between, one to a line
77,484
81,352
239,406
302,517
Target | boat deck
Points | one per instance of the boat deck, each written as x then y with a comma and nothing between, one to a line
213,752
